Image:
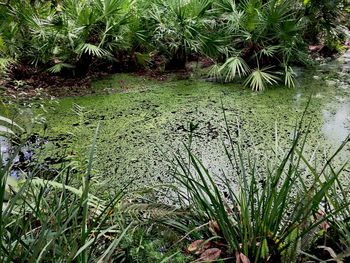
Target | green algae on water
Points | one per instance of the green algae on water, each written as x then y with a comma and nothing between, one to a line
141,119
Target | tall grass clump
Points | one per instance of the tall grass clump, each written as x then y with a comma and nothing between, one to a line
270,214
59,219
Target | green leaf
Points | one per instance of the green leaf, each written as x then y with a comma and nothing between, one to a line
57,68
289,77
93,50
234,66
259,78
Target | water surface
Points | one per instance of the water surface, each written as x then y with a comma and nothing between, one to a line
142,120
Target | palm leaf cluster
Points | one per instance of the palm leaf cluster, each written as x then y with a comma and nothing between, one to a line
244,37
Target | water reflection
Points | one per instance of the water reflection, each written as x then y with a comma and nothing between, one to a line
336,123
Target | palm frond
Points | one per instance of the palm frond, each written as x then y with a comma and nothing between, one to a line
57,68
289,77
269,51
259,78
234,66
214,72
5,63
2,45
93,50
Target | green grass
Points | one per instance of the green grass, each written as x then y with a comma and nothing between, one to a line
270,214
57,219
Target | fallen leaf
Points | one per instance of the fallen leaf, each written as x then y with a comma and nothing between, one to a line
210,255
324,225
238,259
331,253
198,246
214,227
241,258
244,258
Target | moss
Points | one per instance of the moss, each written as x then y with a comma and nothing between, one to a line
142,116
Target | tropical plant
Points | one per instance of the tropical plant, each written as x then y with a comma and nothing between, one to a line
60,218
240,37
73,32
323,19
258,79
259,35
337,241
5,61
178,28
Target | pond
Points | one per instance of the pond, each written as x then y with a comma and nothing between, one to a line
143,121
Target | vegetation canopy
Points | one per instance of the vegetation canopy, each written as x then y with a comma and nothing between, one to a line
240,38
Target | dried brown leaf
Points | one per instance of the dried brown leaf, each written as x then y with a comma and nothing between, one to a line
244,258
214,227
210,255
241,258
324,225
198,246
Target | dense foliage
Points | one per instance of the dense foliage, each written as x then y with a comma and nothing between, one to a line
255,39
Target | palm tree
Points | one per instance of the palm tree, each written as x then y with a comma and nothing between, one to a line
178,28
69,35
259,35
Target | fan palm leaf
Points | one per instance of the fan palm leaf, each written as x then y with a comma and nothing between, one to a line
259,78
289,77
93,50
234,66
